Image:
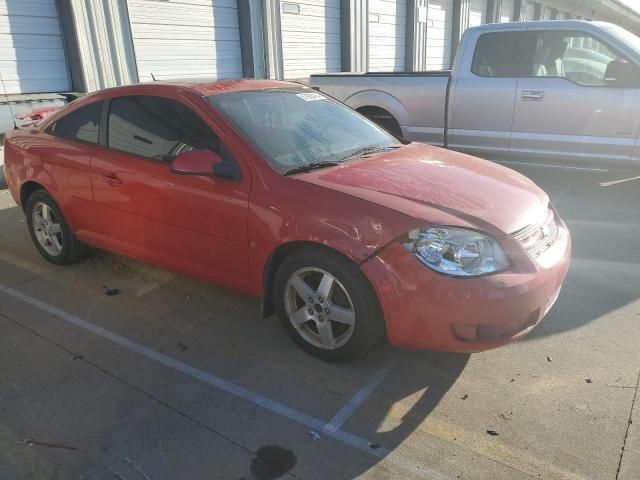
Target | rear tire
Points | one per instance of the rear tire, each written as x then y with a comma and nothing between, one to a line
327,305
49,230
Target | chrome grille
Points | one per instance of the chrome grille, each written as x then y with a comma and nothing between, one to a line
537,238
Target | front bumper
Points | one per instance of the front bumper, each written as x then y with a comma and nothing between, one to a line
423,309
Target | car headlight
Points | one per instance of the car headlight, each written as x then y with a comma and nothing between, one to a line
457,251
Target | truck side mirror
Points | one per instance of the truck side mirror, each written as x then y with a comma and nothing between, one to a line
621,73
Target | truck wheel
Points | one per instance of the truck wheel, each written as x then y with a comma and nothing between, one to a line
327,305
49,230
383,118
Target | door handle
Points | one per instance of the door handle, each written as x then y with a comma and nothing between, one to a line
531,96
110,178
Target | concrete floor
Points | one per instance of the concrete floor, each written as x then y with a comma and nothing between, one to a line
177,379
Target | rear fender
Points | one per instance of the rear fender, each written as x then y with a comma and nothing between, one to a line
377,98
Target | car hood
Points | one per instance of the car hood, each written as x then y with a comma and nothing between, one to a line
440,187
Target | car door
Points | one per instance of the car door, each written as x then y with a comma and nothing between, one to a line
193,224
483,95
66,160
566,107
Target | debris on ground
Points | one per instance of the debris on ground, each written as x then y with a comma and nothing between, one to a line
588,380
465,396
110,292
505,417
30,442
493,433
373,446
549,359
314,435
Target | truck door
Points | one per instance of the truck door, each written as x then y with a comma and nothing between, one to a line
567,105
483,91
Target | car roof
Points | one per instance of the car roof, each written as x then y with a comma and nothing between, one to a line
204,86
542,24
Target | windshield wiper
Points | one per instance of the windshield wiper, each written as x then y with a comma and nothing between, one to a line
369,150
311,166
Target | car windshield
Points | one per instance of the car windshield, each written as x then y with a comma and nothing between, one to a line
294,128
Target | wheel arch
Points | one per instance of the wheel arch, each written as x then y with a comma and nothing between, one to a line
381,100
27,189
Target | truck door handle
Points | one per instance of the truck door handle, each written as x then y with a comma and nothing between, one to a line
110,178
531,96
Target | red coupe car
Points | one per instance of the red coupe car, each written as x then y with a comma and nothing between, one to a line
272,188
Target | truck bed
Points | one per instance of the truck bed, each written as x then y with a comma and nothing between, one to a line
416,100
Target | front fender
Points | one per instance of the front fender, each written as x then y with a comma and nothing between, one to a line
298,212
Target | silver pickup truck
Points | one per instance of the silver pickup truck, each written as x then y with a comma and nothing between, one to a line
564,90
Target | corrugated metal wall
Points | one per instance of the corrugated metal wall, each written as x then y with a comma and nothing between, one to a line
32,58
529,11
189,39
507,10
310,37
387,35
104,42
477,13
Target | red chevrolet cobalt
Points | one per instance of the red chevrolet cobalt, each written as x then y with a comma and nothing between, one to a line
277,190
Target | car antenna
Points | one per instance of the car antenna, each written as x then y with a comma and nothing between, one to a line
153,77
6,94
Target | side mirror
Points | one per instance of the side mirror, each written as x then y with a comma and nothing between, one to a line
196,162
621,73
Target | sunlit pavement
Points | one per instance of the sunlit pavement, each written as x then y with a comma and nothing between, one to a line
174,378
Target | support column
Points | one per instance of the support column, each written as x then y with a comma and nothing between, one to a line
354,35
493,11
251,38
272,39
99,43
460,23
416,31
518,12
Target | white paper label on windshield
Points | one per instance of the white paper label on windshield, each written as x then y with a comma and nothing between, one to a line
310,97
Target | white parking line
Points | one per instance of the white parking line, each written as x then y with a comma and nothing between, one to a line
547,165
217,382
616,182
352,405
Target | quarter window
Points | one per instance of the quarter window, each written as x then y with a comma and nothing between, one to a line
577,56
497,55
157,128
81,125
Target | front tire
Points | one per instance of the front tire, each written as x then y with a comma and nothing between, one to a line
327,305
49,230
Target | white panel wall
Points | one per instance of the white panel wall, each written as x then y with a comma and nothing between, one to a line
387,35
530,11
507,9
32,56
186,39
477,13
439,34
310,37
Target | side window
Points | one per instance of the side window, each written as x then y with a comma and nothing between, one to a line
157,128
81,125
577,56
497,55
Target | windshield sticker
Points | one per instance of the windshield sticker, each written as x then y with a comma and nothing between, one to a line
310,97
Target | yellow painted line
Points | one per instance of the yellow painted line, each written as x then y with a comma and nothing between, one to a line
616,182
488,447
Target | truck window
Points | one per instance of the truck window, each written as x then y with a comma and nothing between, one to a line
496,55
576,56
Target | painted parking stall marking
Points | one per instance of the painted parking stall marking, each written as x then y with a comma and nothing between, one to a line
330,429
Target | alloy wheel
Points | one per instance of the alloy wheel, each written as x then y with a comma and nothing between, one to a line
319,308
47,229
